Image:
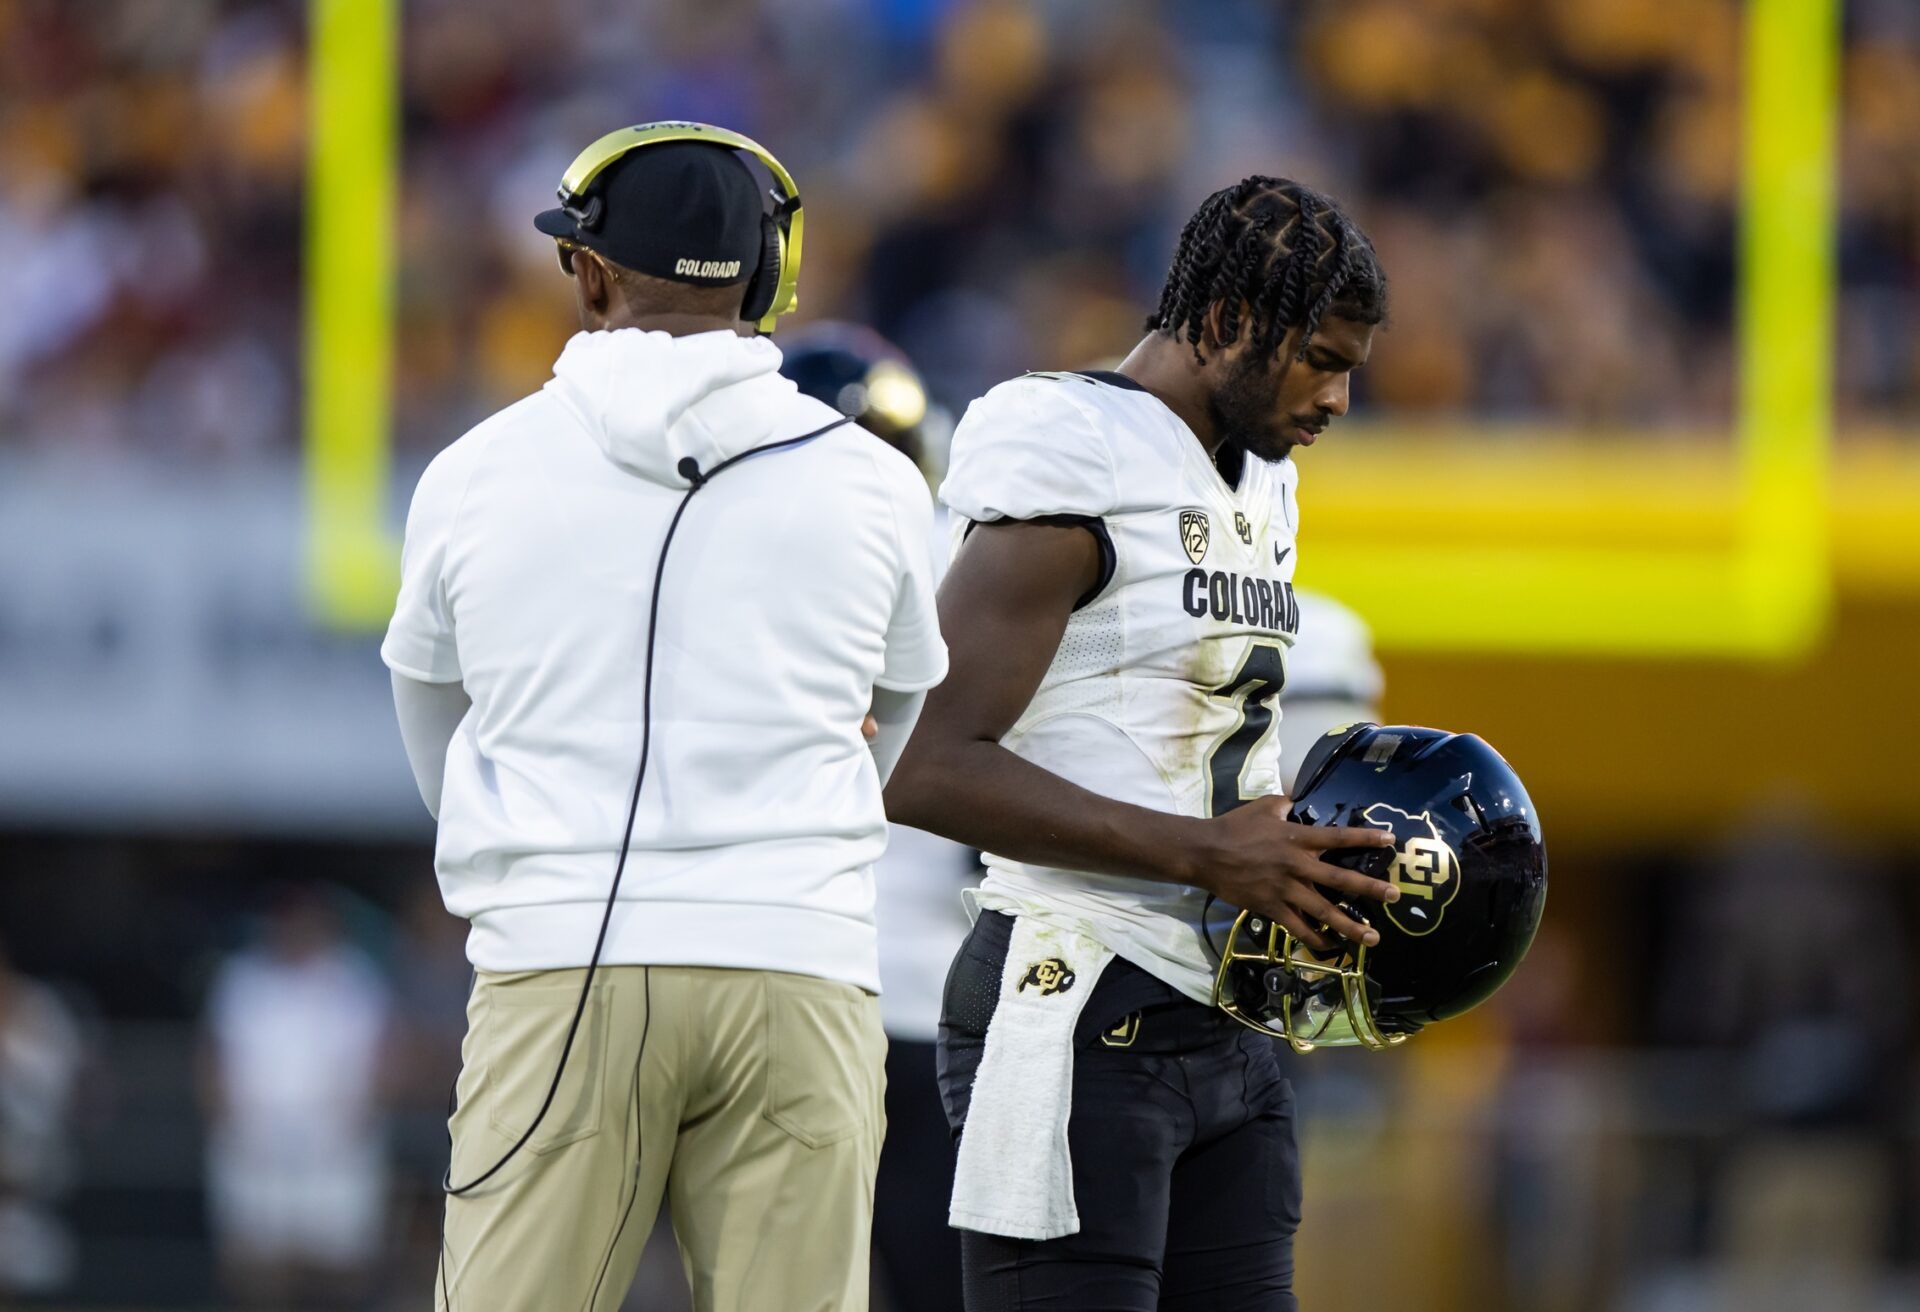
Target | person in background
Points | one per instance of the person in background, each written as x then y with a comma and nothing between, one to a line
1811,1015
41,1055
1332,680
295,1028
917,884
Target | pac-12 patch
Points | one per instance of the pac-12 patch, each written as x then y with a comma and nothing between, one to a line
1195,532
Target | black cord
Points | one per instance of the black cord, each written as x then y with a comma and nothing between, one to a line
619,870
689,469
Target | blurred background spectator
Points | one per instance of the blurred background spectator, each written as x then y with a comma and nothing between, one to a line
40,1065
296,1035
1814,1009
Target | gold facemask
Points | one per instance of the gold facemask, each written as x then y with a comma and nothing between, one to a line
1333,1009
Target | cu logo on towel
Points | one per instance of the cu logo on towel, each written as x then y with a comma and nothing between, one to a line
1049,976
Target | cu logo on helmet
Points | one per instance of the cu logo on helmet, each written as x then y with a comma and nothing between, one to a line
1424,869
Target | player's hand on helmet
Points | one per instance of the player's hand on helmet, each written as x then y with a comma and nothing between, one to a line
1255,858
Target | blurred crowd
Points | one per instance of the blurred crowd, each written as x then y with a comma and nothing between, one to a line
996,184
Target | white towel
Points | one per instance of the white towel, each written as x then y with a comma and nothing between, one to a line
1014,1176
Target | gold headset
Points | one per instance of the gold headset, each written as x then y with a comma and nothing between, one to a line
774,289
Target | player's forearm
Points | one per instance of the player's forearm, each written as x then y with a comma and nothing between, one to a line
980,794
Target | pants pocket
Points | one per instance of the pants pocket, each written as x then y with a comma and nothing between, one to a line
524,1030
824,1057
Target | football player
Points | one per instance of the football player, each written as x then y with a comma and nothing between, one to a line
1119,609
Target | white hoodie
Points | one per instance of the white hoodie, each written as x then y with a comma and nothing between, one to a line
798,581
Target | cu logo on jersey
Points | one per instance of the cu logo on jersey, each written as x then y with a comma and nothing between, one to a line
1049,977
1195,533
1424,869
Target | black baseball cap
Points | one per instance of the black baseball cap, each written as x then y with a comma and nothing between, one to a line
686,211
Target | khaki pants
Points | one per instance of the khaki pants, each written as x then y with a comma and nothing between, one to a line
755,1108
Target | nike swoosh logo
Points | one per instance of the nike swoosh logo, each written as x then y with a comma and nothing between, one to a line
1279,556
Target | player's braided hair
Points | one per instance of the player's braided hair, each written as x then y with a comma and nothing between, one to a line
1286,253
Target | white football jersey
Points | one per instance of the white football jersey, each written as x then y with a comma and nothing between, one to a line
1163,691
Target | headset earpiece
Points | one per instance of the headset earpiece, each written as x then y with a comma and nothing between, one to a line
765,283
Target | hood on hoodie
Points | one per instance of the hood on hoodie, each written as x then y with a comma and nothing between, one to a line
650,399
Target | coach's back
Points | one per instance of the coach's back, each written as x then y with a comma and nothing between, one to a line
797,583
667,556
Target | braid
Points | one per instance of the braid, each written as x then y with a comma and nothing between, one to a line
1283,251
1236,271
1291,276
1336,269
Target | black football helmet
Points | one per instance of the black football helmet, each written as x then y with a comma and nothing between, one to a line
863,376
1471,867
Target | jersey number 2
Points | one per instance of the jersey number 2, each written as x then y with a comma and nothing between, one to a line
1255,687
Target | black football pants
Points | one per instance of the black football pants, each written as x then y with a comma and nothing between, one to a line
1184,1166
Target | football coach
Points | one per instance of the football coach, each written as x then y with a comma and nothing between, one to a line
643,615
